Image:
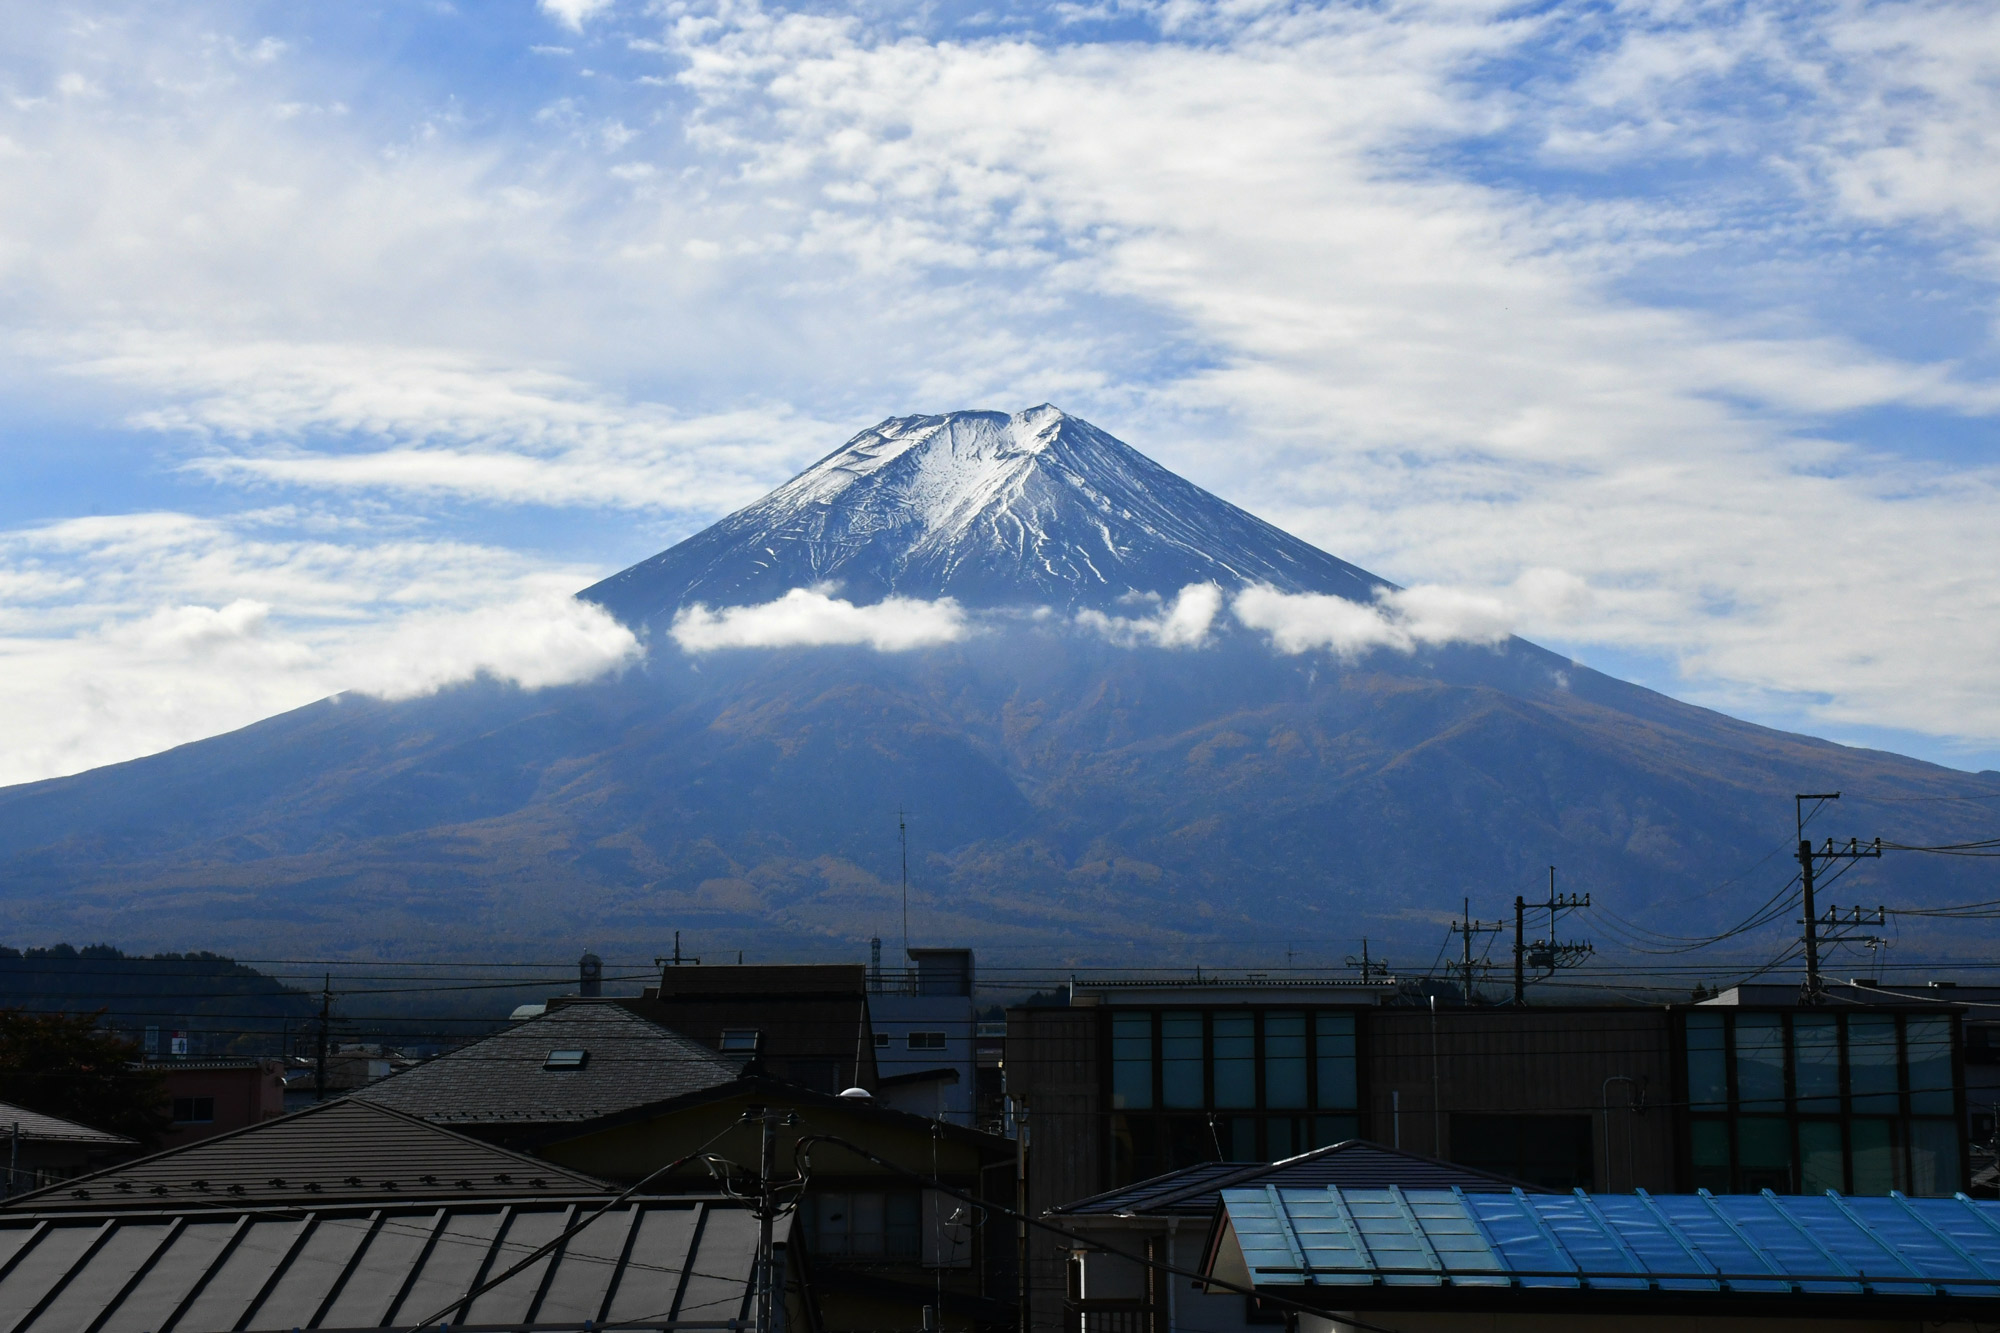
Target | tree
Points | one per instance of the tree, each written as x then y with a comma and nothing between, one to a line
65,1065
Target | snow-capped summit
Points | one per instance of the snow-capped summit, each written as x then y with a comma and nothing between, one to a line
1037,508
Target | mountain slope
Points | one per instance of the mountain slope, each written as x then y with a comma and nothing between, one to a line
1069,799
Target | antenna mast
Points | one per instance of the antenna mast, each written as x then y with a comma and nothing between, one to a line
903,835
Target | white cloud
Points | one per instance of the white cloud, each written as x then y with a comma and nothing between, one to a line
805,617
126,635
573,14
1183,624
1404,619
536,642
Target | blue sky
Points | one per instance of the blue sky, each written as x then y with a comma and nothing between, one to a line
344,341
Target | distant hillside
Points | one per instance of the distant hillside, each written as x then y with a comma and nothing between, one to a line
221,1005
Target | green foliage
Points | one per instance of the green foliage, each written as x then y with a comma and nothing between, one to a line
65,1065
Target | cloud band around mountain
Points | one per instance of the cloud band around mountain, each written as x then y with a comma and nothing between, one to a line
1400,620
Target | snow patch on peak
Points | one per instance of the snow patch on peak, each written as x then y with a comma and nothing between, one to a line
991,508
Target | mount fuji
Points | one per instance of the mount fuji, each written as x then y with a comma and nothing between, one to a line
1134,723
985,508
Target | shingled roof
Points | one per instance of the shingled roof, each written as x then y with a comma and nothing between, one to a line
36,1127
337,1151
513,1079
1196,1191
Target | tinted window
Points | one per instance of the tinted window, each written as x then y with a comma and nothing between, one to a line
1284,1060
1180,1060
1132,1061
1235,1060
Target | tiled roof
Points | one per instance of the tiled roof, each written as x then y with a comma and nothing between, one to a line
645,1264
335,1151
502,1080
1195,1191
1438,1249
48,1128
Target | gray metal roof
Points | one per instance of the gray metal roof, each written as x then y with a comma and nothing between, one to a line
501,1080
337,1151
1196,1191
649,1263
54,1129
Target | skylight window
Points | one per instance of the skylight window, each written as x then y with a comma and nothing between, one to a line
740,1041
566,1059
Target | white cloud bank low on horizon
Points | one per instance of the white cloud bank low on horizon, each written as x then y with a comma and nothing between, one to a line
122,637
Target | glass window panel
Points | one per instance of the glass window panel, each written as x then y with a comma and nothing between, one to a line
1331,1129
1235,1060
1764,1154
1132,1062
1284,1060
1278,1138
1822,1165
905,1231
1816,1063
1760,1062
1873,1156
1334,1055
1708,1074
1871,1064
865,1226
1180,1060
1927,1041
1933,1156
1708,1142
1243,1139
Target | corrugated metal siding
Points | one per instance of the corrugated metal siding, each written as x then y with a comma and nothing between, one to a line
645,1263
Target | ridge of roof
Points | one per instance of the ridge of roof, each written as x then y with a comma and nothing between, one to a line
236,1167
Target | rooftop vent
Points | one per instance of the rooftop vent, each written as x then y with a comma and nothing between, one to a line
741,1041
572,1059
859,1094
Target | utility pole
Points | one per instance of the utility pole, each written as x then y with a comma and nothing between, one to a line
1371,968
767,1208
1467,928
1814,991
325,1013
1520,955
1549,955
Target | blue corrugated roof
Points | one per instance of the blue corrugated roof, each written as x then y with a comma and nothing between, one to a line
1751,1243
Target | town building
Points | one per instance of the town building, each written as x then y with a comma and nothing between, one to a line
338,1151
1167,1221
1422,1260
1748,1090
925,1031
419,1261
806,1023
212,1095
43,1149
593,1087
